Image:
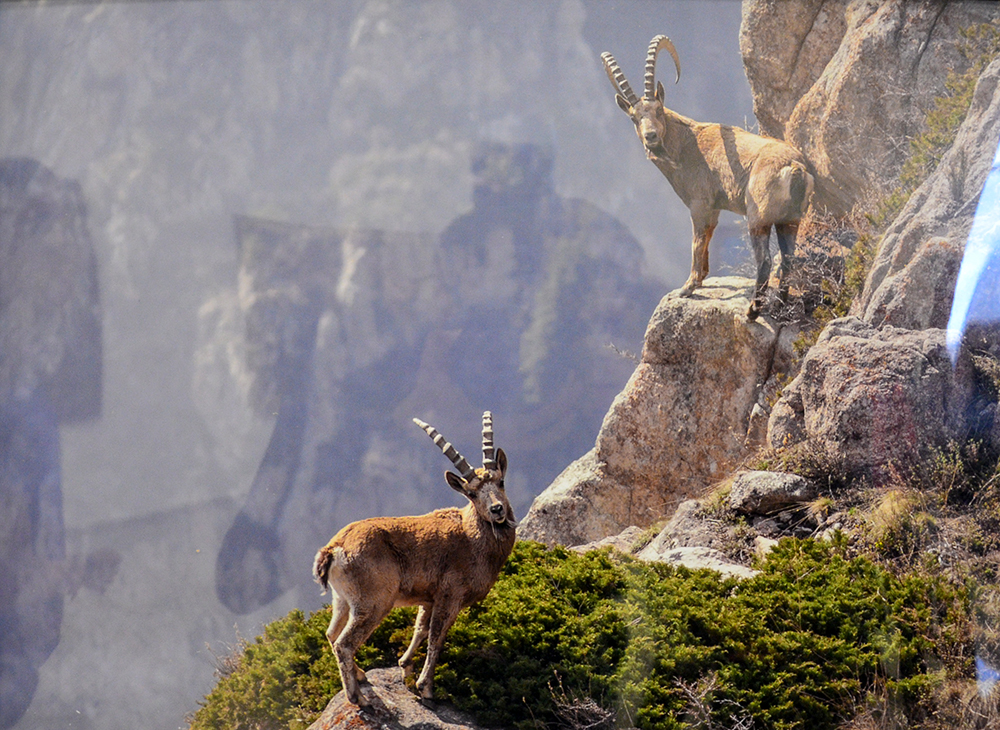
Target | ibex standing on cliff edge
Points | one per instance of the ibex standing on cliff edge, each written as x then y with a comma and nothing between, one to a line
715,167
441,562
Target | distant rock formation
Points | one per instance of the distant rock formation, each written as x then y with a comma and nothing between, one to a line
851,81
50,373
351,333
680,423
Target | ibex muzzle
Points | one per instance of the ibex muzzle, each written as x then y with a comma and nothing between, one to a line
715,167
441,562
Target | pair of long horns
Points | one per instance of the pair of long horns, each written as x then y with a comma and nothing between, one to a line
621,84
463,466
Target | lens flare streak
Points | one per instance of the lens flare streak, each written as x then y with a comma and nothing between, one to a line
976,290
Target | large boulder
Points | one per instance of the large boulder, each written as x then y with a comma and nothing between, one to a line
851,80
765,492
874,400
697,558
679,424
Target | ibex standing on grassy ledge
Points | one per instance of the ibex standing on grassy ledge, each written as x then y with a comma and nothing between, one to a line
441,562
714,167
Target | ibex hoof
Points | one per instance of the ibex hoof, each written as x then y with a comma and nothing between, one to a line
753,312
358,699
429,703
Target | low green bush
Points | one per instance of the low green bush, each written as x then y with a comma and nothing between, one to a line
801,644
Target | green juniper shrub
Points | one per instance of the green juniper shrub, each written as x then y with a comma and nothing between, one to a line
553,614
802,643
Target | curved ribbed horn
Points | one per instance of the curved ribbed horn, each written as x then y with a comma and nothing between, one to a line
655,46
489,460
456,458
618,79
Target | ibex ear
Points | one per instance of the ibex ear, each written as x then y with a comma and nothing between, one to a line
501,458
455,481
659,92
623,103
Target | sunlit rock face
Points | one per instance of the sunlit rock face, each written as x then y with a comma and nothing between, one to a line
680,423
50,373
350,334
912,280
850,81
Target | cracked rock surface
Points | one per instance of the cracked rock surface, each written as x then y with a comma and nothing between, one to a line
668,434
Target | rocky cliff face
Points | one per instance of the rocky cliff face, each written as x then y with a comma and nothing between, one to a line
872,399
902,395
851,81
912,280
878,390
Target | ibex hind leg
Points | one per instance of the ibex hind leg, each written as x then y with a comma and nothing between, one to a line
786,233
759,237
359,627
340,611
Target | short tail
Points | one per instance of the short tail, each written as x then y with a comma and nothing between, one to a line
800,185
321,566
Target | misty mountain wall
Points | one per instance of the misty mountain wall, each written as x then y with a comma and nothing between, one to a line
178,121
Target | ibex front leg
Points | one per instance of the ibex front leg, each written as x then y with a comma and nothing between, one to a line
703,225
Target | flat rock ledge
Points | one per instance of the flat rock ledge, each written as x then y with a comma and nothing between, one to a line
393,707
687,540
696,558
765,492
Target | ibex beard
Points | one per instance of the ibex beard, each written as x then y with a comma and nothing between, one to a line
441,562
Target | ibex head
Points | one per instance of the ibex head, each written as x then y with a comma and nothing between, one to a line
646,113
483,487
